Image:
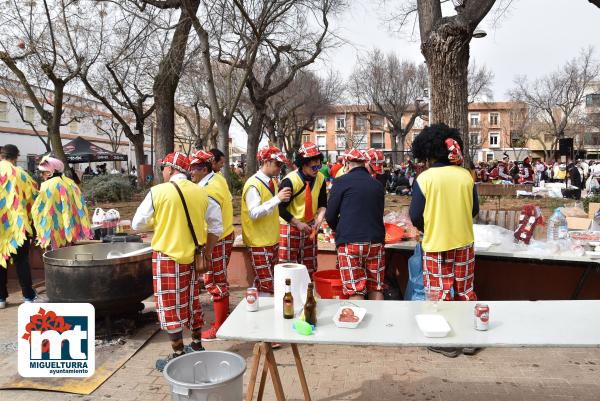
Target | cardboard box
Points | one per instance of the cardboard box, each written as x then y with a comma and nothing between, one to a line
593,208
578,223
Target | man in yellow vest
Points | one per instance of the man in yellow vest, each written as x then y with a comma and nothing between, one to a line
260,215
176,286
303,214
215,278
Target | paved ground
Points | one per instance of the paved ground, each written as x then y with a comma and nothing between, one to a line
367,373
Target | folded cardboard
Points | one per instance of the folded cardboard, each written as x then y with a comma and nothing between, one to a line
578,223
593,208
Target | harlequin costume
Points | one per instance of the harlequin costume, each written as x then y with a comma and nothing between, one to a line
448,254
307,206
60,215
356,198
260,219
17,193
215,278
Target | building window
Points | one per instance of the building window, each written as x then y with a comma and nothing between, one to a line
340,142
28,114
489,157
376,122
474,119
74,126
305,138
494,140
360,141
592,100
321,143
320,124
3,111
474,139
340,123
516,139
494,118
591,139
377,140
361,123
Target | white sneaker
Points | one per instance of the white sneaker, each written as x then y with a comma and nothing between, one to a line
2,303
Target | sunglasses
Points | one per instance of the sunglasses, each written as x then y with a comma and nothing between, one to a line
316,168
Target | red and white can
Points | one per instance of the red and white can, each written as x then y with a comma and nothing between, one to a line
252,299
482,317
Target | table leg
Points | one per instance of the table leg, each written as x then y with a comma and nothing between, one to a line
263,380
270,359
256,355
301,373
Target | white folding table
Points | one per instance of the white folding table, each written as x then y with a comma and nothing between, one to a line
392,324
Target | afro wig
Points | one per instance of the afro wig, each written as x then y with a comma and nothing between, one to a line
300,161
430,145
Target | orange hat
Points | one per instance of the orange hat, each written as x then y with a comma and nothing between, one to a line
177,160
308,150
200,157
271,153
375,158
354,155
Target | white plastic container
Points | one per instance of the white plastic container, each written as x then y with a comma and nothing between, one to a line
358,312
433,325
206,376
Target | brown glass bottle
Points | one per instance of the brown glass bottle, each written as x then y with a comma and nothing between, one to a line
288,300
310,307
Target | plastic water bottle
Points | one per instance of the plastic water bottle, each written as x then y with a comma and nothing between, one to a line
557,226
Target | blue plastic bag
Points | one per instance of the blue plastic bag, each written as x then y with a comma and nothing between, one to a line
415,290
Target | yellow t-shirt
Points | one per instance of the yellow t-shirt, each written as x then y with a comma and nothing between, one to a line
448,210
263,231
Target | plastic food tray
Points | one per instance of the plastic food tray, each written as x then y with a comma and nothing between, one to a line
359,312
432,325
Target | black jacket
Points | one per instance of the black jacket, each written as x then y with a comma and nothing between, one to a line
355,208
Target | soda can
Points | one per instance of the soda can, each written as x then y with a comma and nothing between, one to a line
482,317
252,299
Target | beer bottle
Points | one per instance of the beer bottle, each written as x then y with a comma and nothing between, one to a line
288,301
310,307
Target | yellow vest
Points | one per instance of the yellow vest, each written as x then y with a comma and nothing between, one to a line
263,231
218,189
340,172
171,233
448,211
296,207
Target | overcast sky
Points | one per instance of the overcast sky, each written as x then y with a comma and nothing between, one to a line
534,38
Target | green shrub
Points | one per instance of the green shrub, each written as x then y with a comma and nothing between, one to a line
108,188
237,184
594,197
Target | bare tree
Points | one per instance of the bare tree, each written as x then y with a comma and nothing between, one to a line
556,98
480,83
391,88
112,129
445,44
296,39
123,74
45,45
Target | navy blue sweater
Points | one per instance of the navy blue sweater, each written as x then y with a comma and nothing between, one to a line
355,208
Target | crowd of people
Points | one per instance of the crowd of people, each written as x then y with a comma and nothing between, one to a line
583,174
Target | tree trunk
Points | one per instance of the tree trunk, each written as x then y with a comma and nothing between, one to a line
394,134
165,86
401,138
223,146
446,52
138,148
254,134
54,124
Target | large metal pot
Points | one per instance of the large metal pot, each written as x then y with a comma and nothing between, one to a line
82,273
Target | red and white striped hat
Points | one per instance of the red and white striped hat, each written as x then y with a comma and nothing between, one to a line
177,160
376,159
354,155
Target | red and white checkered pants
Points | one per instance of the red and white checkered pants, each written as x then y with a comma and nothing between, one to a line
362,267
264,260
297,247
448,269
177,294
215,278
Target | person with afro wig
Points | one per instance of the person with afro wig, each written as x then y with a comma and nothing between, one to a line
444,202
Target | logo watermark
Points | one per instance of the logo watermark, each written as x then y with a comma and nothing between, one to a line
56,340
